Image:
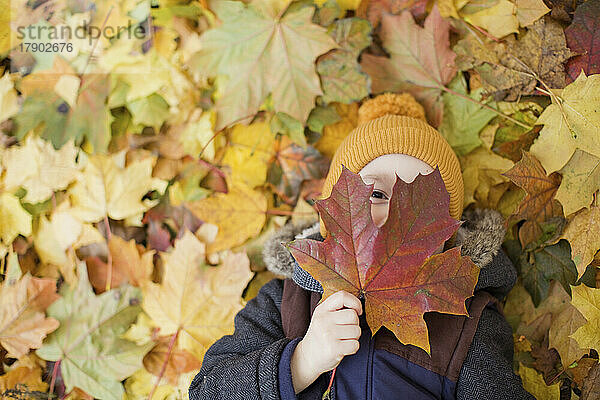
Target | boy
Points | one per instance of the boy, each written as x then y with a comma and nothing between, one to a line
285,346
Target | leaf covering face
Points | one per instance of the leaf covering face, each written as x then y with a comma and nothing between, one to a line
393,267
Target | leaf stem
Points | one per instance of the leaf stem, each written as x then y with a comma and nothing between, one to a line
221,131
556,99
331,380
557,375
109,256
275,211
164,366
53,380
492,109
87,62
482,31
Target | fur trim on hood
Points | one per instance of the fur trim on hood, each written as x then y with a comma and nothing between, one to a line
481,236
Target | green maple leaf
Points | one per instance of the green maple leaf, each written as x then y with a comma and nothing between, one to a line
463,119
87,344
89,119
341,75
262,52
149,111
546,264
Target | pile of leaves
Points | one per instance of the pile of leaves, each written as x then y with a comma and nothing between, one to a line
140,176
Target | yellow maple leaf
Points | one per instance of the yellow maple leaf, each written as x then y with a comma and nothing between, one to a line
196,301
580,180
566,319
139,385
109,188
499,20
529,11
344,5
5,20
8,98
450,8
240,214
141,331
583,233
67,87
248,153
570,124
197,134
555,315
113,14
482,170
14,220
55,235
534,384
149,73
165,41
587,301
39,168
52,239
333,134
23,378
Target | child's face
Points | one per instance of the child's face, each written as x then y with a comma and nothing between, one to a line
382,173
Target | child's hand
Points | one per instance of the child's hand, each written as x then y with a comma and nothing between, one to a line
332,334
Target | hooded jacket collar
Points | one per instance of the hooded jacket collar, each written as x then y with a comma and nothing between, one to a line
481,236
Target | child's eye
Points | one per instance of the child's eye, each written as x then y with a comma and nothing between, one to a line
379,195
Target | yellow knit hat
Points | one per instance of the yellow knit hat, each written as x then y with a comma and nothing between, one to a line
395,123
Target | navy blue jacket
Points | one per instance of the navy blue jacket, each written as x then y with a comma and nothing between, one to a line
366,375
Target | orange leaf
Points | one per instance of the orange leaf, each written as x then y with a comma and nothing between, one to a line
23,324
130,263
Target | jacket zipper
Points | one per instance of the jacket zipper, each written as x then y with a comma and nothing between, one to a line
369,388
370,369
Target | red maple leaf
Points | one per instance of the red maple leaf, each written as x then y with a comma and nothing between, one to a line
583,38
291,165
392,267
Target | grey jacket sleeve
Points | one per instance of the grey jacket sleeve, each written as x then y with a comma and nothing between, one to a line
244,365
487,372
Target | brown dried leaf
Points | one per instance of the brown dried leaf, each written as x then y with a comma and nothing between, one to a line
539,203
179,361
581,371
591,384
509,68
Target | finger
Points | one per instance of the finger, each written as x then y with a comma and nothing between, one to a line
347,332
349,346
345,316
341,299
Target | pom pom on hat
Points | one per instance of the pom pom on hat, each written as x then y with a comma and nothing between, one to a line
395,123
390,103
